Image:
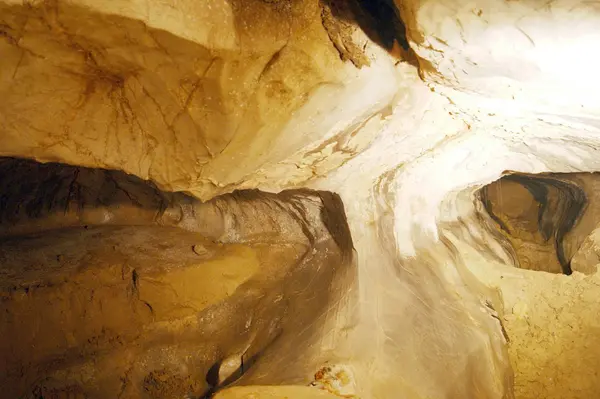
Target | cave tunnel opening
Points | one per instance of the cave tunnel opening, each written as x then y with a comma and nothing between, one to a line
548,224
549,220
110,286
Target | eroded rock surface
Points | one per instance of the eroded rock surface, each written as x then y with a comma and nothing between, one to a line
126,306
405,108
274,393
238,83
550,220
536,213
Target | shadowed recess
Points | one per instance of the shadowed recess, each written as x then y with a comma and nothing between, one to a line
110,287
535,212
381,22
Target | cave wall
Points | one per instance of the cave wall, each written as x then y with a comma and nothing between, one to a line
111,288
264,99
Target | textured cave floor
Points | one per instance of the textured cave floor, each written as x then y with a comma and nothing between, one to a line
552,322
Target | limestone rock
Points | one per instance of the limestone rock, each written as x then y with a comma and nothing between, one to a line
515,51
587,258
281,392
144,305
180,94
406,122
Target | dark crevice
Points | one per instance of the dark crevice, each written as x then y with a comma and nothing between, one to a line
380,20
382,17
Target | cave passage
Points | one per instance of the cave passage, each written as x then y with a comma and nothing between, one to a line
111,287
535,213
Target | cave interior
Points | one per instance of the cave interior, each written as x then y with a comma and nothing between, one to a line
276,199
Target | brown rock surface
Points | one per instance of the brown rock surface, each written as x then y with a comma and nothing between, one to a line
259,392
173,94
404,108
550,320
124,306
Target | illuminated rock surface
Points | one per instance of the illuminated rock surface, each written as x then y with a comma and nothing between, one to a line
113,286
274,393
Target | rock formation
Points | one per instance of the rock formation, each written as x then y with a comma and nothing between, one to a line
299,198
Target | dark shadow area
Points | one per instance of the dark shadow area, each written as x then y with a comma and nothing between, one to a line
381,22
32,190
